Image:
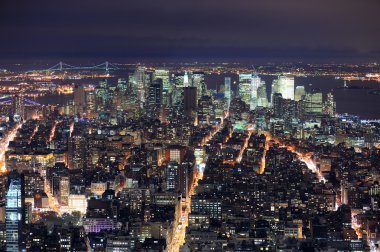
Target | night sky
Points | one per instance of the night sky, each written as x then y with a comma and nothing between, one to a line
117,30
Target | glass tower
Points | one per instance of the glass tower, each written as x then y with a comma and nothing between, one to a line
14,213
227,89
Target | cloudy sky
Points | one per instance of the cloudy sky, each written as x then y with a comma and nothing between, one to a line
308,30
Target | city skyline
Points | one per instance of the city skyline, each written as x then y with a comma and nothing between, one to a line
190,126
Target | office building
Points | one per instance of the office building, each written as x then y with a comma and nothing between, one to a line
299,93
14,210
79,99
172,176
190,100
227,89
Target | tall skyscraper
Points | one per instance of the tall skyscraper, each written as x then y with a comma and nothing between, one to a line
179,80
285,86
256,83
227,89
313,103
245,87
172,176
262,98
186,81
102,95
330,105
77,151
166,85
64,190
90,104
190,100
165,77
14,208
140,78
199,83
79,99
248,85
299,93
155,95
206,111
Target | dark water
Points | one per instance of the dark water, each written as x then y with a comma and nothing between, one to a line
353,101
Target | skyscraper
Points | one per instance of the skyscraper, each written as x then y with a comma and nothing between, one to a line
64,190
199,83
190,100
155,95
313,103
248,85
77,151
14,212
262,98
172,176
330,105
299,93
18,106
206,111
140,78
256,82
164,76
227,89
90,104
285,86
166,85
79,99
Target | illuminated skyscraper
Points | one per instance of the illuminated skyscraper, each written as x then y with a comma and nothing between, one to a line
256,83
79,99
18,106
199,83
164,76
102,95
206,111
313,103
172,176
155,95
227,89
166,85
248,85
179,80
77,151
14,207
330,105
285,86
186,81
299,93
245,87
90,104
64,190
262,98
140,78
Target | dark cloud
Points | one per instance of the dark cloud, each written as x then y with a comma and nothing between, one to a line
245,29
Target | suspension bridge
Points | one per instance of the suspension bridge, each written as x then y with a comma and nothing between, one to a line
61,66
